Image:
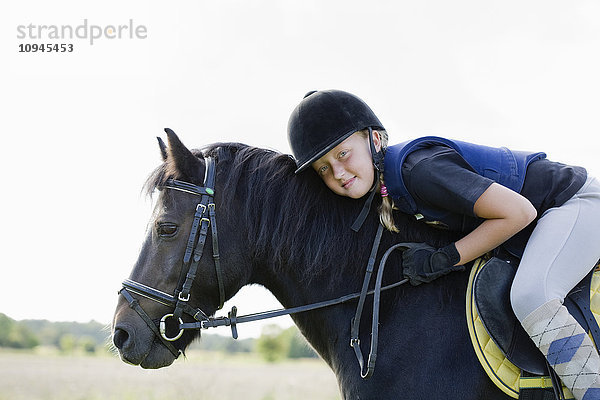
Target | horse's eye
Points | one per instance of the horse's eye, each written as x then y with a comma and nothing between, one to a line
167,230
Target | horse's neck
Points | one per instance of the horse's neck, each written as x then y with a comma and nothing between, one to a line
322,327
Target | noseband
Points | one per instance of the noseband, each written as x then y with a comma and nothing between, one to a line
191,259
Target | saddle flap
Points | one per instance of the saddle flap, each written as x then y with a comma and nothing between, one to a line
491,291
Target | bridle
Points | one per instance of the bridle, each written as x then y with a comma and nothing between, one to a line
204,217
191,259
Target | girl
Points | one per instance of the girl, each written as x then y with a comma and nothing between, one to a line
544,212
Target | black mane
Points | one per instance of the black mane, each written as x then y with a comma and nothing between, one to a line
294,220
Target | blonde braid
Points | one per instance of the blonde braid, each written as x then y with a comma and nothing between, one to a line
386,211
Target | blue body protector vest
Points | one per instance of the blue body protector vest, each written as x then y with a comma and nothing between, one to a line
503,166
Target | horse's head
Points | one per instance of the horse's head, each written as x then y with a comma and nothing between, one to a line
178,270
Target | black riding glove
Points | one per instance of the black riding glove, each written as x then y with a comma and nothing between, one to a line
422,263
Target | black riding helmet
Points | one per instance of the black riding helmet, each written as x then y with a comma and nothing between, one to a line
324,119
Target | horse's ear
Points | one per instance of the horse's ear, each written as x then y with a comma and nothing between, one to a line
163,149
184,164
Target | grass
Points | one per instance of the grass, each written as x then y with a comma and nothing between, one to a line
50,376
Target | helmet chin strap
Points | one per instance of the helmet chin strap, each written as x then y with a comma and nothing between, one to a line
378,164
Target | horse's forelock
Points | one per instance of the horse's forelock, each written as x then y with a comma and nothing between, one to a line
167,170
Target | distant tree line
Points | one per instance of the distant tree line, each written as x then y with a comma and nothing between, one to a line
274,344
16,335
65,336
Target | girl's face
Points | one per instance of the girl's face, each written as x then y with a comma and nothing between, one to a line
347,169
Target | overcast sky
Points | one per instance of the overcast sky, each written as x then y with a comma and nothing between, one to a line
79,127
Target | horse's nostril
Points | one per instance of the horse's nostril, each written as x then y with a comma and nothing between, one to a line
120,337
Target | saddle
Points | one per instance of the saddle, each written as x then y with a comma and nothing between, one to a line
504,349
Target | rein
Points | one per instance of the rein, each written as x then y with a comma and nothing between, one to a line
191,260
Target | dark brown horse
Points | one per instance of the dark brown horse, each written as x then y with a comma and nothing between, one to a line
292,235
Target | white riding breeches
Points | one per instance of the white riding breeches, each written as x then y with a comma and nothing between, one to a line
562,250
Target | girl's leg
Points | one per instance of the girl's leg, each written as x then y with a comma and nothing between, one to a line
563,248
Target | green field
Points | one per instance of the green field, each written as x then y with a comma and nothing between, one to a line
51,376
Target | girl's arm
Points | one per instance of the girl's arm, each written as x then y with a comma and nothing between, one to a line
506,212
